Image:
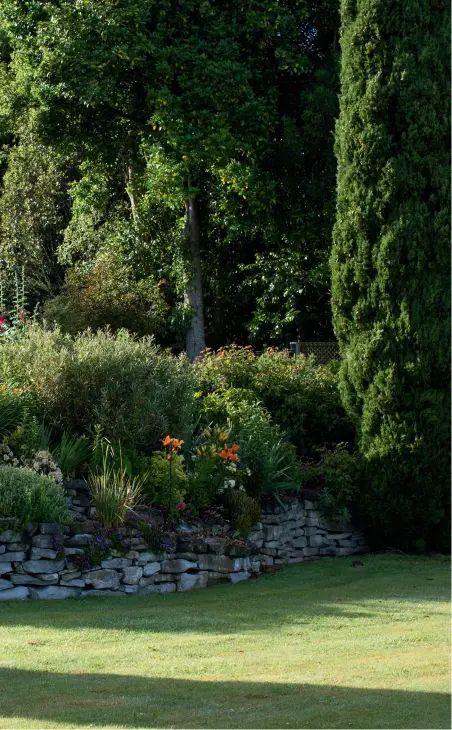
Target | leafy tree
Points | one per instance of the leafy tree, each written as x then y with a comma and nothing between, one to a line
390,260
183,99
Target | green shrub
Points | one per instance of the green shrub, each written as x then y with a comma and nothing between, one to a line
337,477
134,391
30,497
302,398
243,510
228,367
167,481
210,468
14,403
390,262
268,462
108,295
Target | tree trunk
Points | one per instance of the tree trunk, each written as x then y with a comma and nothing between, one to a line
131,192
193,297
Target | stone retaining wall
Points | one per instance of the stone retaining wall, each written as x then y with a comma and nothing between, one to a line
40,562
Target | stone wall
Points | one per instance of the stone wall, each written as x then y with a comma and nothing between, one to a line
41,562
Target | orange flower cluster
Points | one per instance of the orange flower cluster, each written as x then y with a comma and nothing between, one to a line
230,453
173,444
15,391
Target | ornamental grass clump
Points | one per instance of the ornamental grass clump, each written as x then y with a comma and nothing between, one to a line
114,493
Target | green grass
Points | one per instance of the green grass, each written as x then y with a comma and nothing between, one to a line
319,645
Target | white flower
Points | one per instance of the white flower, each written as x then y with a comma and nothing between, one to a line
5,457
248,471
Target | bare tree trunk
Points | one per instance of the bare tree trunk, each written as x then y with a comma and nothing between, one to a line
193,296
131,192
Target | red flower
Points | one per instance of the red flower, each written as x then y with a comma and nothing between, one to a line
181,506
2,321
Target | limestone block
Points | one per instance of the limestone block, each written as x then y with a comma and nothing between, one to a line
43,566
80,540
238,577
151,568
53,528
37,553
117,563
12,556
17,593
160,588
217,563
43,541
192,581
99,579
22,579
147,557
10,536
53,592
131,576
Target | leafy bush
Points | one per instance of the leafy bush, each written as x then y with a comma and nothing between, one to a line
228,367
128,386
244,511
30,497
167,480
337,476
212,466
268,462
108,295
14,402
302,398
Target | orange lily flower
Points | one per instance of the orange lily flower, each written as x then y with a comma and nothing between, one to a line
167,441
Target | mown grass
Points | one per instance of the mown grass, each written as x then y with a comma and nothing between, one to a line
319,645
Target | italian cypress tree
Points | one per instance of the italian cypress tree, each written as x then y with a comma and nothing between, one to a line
390,261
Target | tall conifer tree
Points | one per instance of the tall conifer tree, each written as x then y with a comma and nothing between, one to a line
390,260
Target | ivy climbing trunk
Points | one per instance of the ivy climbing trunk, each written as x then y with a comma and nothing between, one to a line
193,297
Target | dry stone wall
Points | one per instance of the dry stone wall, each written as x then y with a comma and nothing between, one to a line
45,561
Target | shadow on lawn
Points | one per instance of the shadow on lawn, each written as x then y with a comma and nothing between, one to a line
299,594
135,701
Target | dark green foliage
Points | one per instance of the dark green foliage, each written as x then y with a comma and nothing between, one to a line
242,105
390,261
244,511
167,481
302,398
108,294
268,463
30,497
135,393
71,453
337,478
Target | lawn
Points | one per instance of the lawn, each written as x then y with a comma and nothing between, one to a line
319,645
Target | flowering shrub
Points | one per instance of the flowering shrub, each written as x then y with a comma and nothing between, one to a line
134,391
41,462
302,397
103,542
27,497
213,466
167,482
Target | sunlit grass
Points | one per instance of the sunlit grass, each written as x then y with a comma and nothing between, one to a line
320,645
